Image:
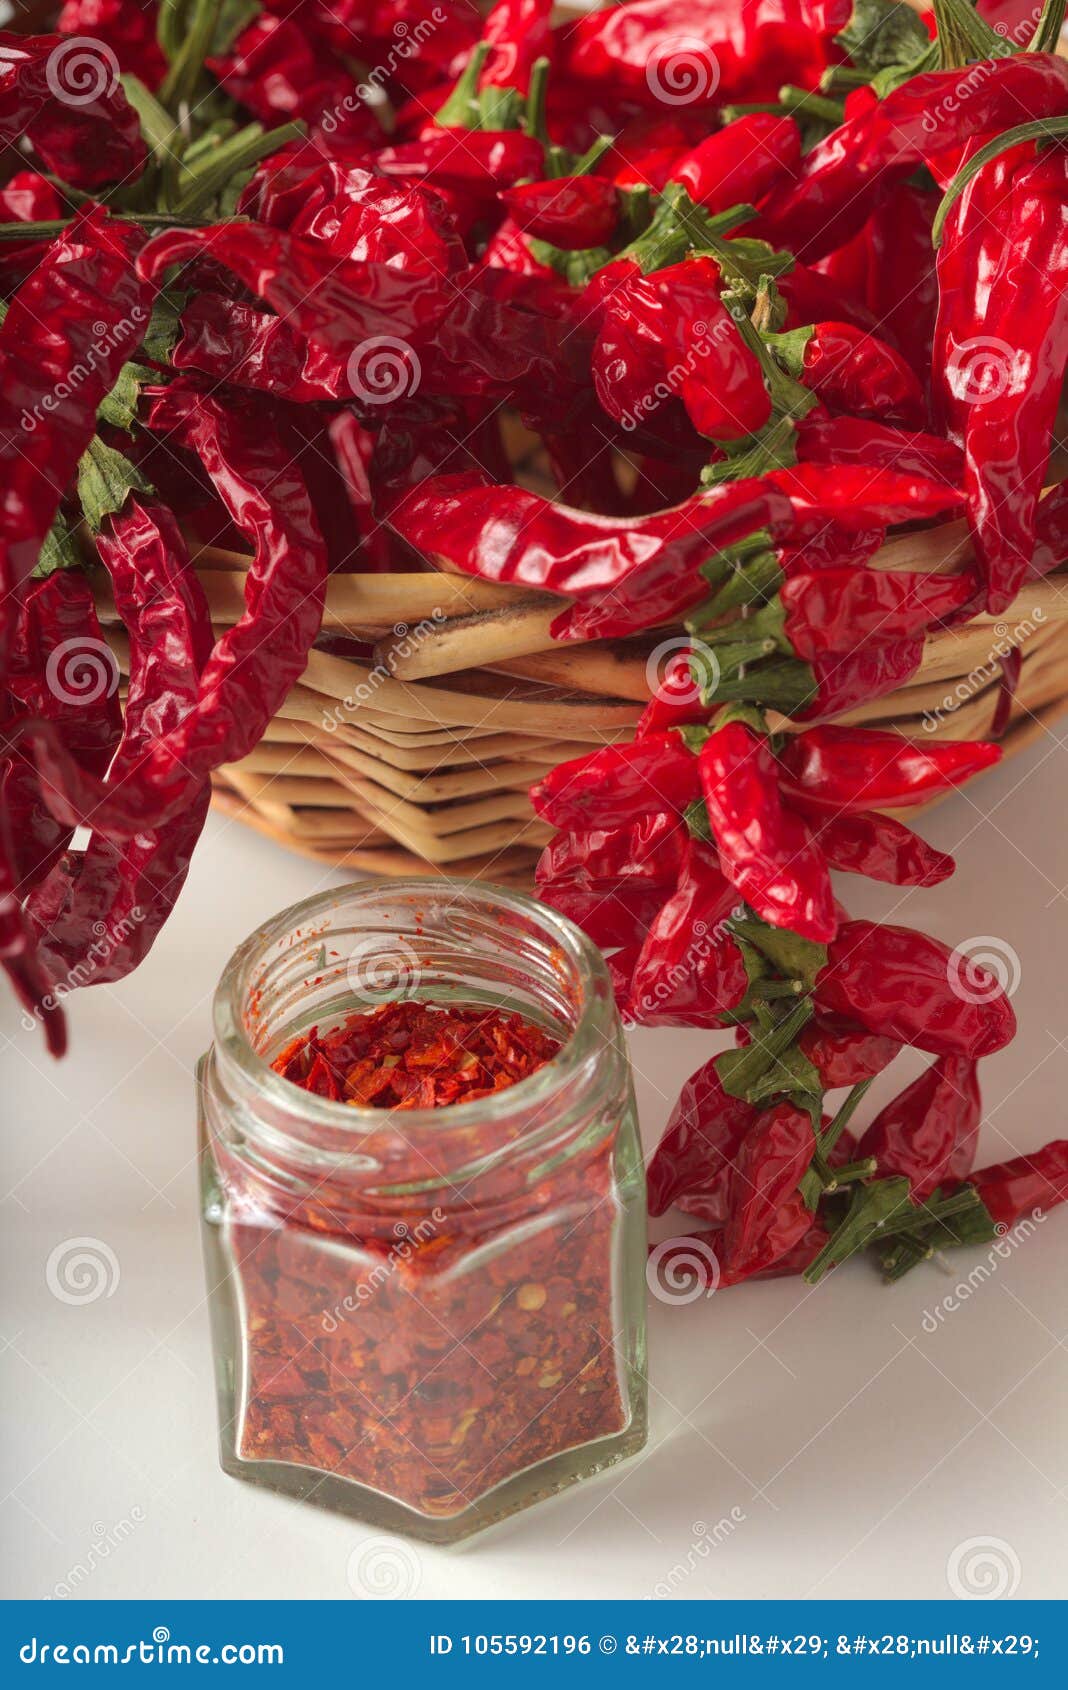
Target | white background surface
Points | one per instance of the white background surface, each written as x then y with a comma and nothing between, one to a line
851,1450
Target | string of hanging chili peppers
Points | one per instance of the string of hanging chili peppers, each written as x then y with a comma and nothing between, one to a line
746,296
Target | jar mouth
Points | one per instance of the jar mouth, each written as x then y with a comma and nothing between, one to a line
581,966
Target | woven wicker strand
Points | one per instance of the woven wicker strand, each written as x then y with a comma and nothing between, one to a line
422,758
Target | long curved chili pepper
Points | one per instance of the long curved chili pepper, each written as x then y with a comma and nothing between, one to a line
930,1130
255,662
859,441
845,768
911,987
765,850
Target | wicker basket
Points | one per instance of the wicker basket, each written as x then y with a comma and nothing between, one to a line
422,758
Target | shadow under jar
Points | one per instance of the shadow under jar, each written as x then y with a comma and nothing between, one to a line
426,1318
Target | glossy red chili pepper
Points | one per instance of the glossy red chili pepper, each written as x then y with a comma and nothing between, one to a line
26,197
930,1130
1009,1190
609,787
872,446
911,987
467,161
902,287
690,971
676,701
766,1215
232,341
720,380
18,955
1010,420
691,1164
86,131
766,851
128,27
843,1053
571,212
865,768
829,610
518,34
741,163
647,148
851,371
279,69
856,495
256,661
126,890
69,329
508,534
812,297
612,882
865,842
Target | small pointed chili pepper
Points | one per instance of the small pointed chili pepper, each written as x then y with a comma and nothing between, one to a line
843,1053
467,161
858,441
571,212
518,33
720,380
766,851
829,685
1009,1190
677,700
766,1215
19,960
612,882
857,495
742,163
831,610
909,986
851,371
86,131
865,842
812,297
867,768
690,972
691,1163
607,788
930,1130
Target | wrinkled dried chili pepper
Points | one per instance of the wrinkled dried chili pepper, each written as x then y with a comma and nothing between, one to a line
867,768
741,163
613,881
929,1131
851,371
571,212
608,787
1011,1189
691,1165
86,131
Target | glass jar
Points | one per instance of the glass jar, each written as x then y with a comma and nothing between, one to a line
424,1318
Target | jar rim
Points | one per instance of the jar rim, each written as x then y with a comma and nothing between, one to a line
595,998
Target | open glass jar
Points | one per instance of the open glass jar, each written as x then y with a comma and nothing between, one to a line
426,1318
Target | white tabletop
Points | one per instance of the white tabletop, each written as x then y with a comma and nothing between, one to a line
852,1441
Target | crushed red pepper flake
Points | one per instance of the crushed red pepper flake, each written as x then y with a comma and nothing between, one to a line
413,1055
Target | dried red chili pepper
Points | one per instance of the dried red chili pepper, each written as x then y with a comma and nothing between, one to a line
518,34
414,1055
690,971
876,446
571,212
1039,1180
844,1054
741,163
466,161
279,69
765,850
255,662
613,881
609,787
766,1214
86,131
232,341
691,1164
902,288
865,768
864,842
929,1131
851,371
911,987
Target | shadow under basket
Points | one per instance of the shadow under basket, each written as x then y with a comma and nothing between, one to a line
421,756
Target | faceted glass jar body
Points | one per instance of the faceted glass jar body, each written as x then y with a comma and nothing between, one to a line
424,1318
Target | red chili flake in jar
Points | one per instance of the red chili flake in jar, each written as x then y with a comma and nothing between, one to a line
427,1251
